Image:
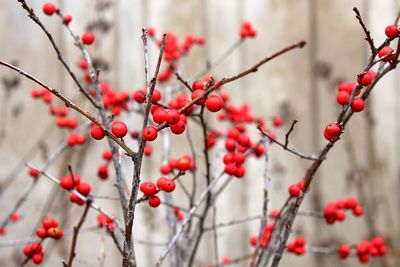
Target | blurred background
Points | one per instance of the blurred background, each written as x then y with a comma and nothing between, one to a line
300,85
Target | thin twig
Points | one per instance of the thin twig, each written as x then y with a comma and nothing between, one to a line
226,80
301,155
288,134
60,57
72,252
368,37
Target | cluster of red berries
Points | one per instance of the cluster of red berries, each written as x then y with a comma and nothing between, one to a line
295,189
182,164
365,78
69,182
35,251
247,30
75,138
214,102
103,220
118,128
335,210
50,229
46,95
236,143
297,246
115,101
364,249
174,51
265,238
149,189
61,114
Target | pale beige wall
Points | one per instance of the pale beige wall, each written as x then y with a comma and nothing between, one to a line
335,38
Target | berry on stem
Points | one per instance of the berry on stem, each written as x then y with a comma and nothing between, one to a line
49,9
150,133
88,38
119,129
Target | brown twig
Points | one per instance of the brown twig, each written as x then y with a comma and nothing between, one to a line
368,37
301,155
33,16
70,104
288,134
72,252
128,258
185,83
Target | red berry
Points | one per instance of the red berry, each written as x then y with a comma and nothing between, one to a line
37,258
154,201
333,129
102,171
96,132
27,250
147,150
14,217
33,173
196,93
351,203
165,169
167,185
340,215
184,164
363,258
357,105
385,53
107,155
233,133
378,241
391,31
49,222
84,188
36,93
156,96
150,133
344,251
358,211
49,9
277,121
139,95
367,77
214,103
119,129
151,31
88,38
159,115
294,190
66,182
41,232
198,85
173,117
67,19
240,171
230,169
76,199
148,188
178,128
342,97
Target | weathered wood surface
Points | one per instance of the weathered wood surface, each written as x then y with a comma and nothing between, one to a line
291,86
